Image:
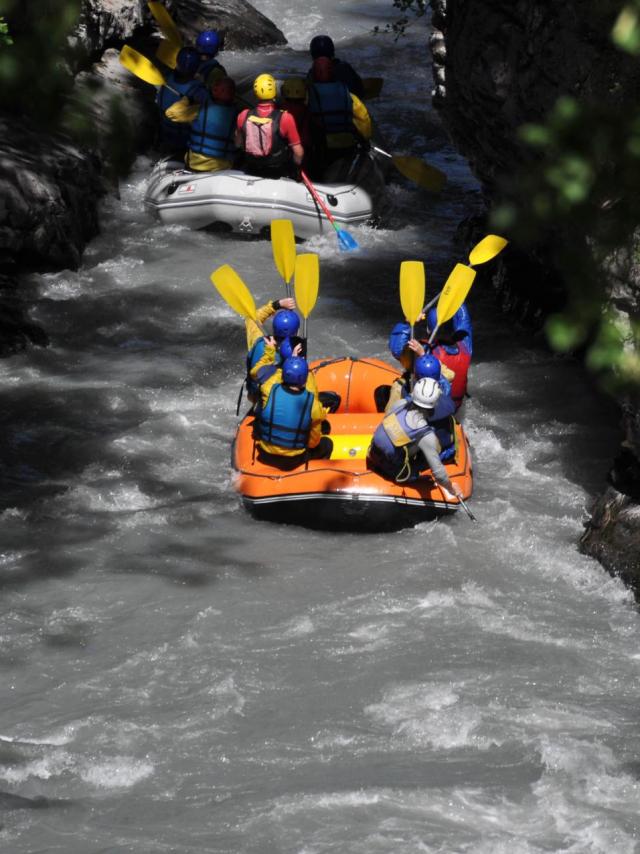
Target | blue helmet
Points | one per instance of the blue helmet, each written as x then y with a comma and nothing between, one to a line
399,338
286,350
188,60
321,46
427,366
208,42
295,371
285,323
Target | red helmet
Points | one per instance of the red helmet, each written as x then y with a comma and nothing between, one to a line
323,69
224,90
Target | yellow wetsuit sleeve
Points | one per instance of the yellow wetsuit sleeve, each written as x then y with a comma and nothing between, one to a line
361,118
395,395
318,413
268,358
447,373
182,111
253,330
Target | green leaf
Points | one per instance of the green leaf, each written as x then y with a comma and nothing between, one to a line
564,333
626,30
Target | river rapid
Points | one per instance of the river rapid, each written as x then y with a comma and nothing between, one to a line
177,677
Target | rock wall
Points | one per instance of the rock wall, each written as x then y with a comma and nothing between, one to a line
497,65
50,187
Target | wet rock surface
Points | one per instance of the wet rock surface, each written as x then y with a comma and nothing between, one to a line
497,65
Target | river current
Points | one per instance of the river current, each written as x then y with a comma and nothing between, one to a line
177,677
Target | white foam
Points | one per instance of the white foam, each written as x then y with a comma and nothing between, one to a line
120,772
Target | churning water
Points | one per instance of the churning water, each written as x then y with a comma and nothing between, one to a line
179,678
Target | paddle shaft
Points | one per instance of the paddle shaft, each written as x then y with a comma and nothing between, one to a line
466,509
315,195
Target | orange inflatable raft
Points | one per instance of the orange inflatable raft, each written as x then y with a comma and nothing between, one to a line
342,492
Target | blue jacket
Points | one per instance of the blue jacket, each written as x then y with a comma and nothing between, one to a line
331,107
286,418
207,67
212,131
172,133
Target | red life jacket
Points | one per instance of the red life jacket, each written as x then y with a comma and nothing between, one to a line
457,362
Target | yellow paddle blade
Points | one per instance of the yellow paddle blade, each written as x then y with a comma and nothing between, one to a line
166,23
412,280
454,292
283,243
488,248
234,291
307,282
372,87
426,176
168,52
139,65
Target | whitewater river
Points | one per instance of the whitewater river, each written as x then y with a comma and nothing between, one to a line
179,678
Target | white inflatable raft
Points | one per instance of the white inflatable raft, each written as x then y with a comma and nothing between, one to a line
246,204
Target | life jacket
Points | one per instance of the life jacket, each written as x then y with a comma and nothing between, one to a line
331,108
458,358
211,132
253,357
394,434
263,144
285,420
175,134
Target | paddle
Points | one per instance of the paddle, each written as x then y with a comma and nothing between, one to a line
306,284
235,293
484,251
453,294
372,87
167,53
466,509
166,23
346,240
412,285
416,170
283,243
143,68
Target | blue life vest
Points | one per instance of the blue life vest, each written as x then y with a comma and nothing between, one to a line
285,421
253,357
331,107
173,133
212,131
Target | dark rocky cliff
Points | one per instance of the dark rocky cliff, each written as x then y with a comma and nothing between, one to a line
497,65
50,187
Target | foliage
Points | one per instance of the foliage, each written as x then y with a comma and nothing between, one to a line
408,10
37,79
5,35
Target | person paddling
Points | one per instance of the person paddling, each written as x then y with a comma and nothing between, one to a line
286,324
344,73
289,419
340,121
413,436
268,136
180,83
212,123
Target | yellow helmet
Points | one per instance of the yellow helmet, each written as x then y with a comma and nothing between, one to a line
294,87
265,88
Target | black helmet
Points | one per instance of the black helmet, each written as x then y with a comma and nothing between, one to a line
321,46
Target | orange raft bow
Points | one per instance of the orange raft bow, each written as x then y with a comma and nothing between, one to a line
342,492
